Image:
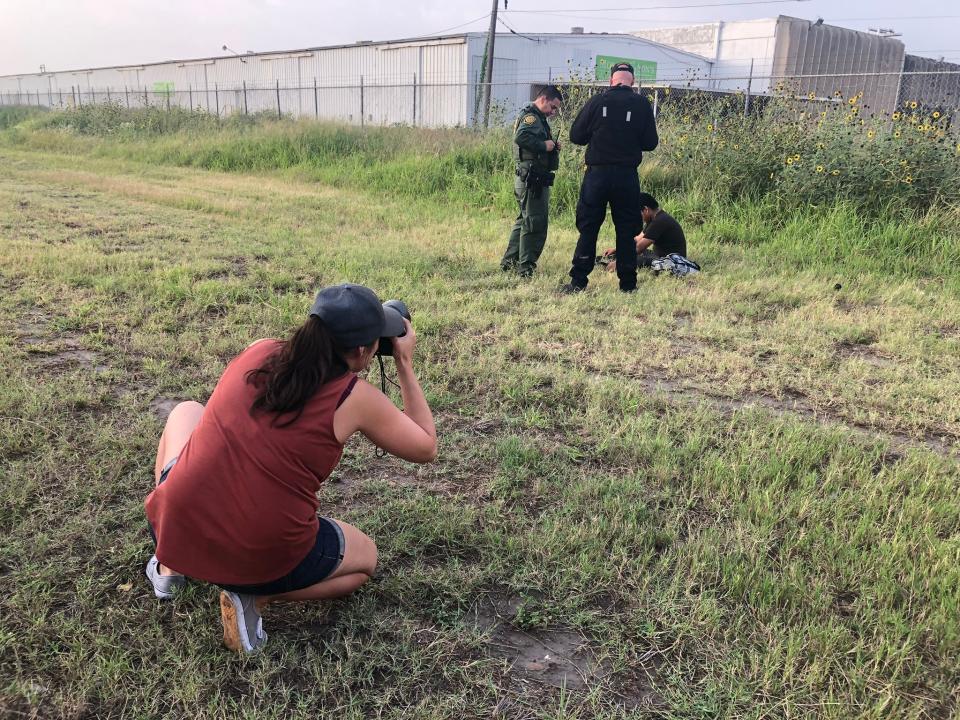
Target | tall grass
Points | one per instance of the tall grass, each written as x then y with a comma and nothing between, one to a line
846,181
11,116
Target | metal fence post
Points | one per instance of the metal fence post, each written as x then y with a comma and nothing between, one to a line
414,99
362,119
245,97
190,90
746,98
316,101
656,101
168,93
146,100
59,97
216,97
126,95
108,93
278,100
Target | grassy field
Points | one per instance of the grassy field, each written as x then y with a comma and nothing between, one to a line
733,496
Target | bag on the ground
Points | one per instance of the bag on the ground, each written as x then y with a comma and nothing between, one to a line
676,265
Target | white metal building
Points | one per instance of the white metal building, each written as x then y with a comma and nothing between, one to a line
421,81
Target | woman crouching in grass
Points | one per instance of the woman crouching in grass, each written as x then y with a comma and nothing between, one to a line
235,502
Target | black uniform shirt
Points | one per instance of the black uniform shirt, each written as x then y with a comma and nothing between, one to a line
667,235
617,126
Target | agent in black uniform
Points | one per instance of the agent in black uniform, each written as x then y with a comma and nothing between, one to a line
616,126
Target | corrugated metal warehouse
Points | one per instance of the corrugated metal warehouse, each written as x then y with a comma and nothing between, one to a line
436,81
423,81
813,57
934,83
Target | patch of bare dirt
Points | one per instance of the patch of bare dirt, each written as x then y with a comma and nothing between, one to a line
554,656
682,318
844,602
161,407
450,422
55,352
865,353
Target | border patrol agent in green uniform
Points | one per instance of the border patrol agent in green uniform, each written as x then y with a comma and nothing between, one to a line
537,156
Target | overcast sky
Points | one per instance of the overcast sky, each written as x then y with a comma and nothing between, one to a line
65,34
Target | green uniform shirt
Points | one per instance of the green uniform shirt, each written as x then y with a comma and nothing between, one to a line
530,134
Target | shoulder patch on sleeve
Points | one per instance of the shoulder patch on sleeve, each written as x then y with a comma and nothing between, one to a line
529,119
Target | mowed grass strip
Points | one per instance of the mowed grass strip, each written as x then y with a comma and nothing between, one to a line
701,559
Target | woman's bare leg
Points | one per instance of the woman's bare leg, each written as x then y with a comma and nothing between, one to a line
358,565
180,424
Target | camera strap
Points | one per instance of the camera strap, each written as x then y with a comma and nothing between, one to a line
380,452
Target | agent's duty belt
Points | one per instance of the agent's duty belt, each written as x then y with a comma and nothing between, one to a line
535,178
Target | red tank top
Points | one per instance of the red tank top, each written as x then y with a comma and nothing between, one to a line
240,505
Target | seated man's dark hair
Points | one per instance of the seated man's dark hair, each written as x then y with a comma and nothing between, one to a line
648,200
550,92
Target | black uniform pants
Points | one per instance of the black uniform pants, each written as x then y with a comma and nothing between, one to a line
619,186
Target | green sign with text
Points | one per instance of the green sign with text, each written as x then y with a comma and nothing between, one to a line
643,70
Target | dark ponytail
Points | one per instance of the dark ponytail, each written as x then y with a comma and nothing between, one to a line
290,376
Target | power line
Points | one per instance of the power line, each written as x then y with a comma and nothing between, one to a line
896,17
518,34
455,27
671,7
687,21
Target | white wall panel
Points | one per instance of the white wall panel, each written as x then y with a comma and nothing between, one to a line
425,82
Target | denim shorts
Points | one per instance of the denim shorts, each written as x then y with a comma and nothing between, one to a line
319,564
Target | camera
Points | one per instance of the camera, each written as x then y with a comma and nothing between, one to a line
386,343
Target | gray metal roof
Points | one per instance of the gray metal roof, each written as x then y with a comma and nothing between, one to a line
360,43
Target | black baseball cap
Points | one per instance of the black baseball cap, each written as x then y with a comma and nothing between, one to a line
617,67
355,316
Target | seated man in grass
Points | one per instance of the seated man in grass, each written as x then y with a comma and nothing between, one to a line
661,236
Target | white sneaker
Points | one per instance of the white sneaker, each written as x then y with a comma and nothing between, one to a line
164,586
242,624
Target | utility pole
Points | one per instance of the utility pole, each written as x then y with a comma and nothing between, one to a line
488,70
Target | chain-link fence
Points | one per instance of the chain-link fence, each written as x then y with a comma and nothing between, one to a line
448,104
